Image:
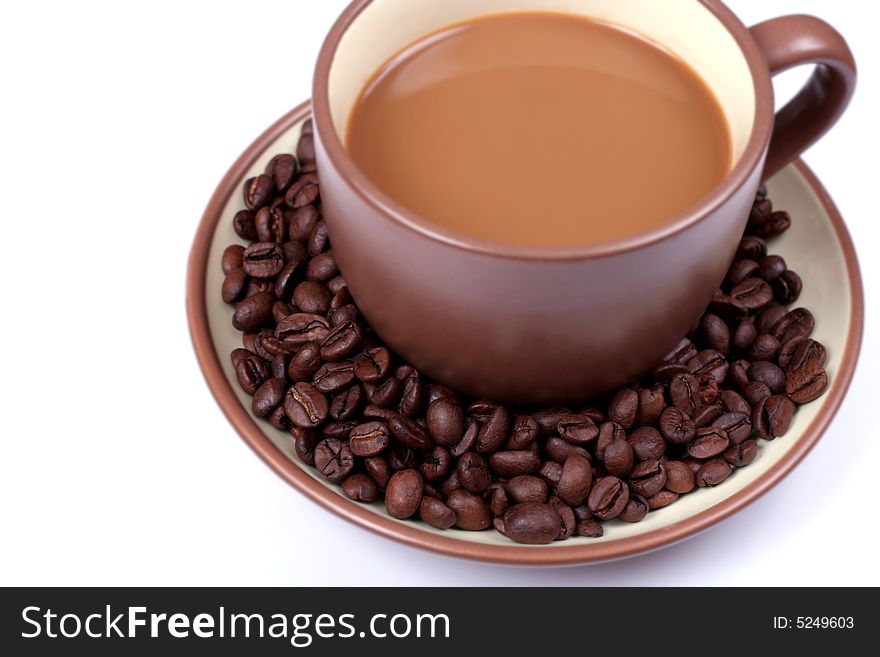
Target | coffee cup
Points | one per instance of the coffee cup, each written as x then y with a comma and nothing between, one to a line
542,324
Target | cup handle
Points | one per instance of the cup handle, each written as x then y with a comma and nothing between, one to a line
790,41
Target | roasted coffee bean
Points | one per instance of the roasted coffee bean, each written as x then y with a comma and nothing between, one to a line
558,450
306,406
339,289
577,429
737,425
278,365
301,329
742,454
445,421
402,458
707,415
233,258
799,323
768,373
635,510
648,477
765,347
676,427
312,298
716,333
684,393
493,433
347,403
304,364
263,260
369,439
756,391
244,225
661,499
282,170
304,443
258,191
322,268
361,488
608,431
582,512
435,513
450,484
738,374
294,252
410,433
532,524
319,240
437,391
651,404
744,336
524,433
271,225
679,478
751,247
404,494
339,430
341,342
278,419
303,191
302,222
373,365
618,458
727,307
647,443
550,471
772,416
589,529
776,224
471,511
566,516
334,460
805,354
708,443
233,285
595,413
734,403
806,384
770,267
709,363
468,439
305,148
740,270
413,396
372,412
237,356
497,497
527,488
473,473
436,465
284,284
623,408
268,397
713,473
253,312
768,318
548,418
333,377
378,468
575,480
608,498
512,463
787,287
682,352
251,371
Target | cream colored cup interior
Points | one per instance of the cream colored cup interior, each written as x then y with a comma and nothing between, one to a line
684,27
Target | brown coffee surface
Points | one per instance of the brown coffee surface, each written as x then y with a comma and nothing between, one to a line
540,129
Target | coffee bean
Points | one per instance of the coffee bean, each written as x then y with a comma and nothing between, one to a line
709,362
301,329
550,471
787,287
737,426
532,524
257,191
527,488
473,473
319,240
233,258
716,333
661,499
647,443
282,170
708,443
294,252
304,443
413,396
589,529
404,494
494,432
334,460
608,498
548,418
341,342
410,433
608,431
306,406
805,354
772,416
676,427
437,464
271,225
806,384
339,289
253,312
373,365
312,298
769,374
776,224
577,429
305,148
268,396
679,478
468,439
566,516
618,457
770,267
738,374
471,511
303,191
304,364
755,391
742,454
233,285
744,336
734,403
559,450
263,260
322,268
302,222
740,270
799,323
575,480
512,463
727,307
251,371
278,365
651,404
683,392
623,408
435,513
378,468
333,377
369,439
347,403
648,477
751,247
765,347
244,225
713,473
524,433
360,488
635,510
707,415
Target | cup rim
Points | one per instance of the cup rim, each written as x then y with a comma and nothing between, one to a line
392,211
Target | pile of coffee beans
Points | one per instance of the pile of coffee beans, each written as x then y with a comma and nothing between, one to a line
378,428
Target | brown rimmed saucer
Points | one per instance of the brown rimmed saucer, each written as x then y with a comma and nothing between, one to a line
817,246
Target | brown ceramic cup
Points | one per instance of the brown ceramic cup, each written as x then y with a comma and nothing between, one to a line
545,324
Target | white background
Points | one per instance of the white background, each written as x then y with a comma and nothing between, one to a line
117,120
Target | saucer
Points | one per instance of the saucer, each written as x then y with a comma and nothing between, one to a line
817,246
